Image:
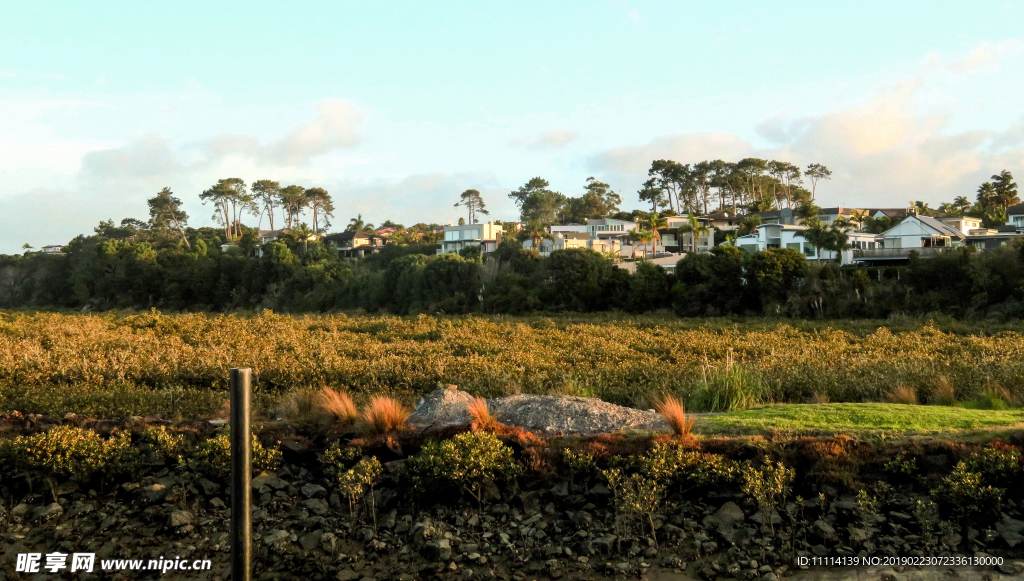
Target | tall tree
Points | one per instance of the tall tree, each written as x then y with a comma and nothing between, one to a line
694,229
1005,189
653,194
473,202
535,185
319,201
229,196
293,200
543,206
356,224
267,193
165,212
672,177
817,172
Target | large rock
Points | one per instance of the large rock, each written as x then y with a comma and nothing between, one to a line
727,521
578,416
442,408
1010,529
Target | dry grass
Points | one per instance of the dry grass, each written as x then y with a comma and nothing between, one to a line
338,403
481,417
902,394
819,397
383,415
675,414
297,407
943,392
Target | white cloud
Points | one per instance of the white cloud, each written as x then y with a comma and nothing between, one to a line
634,15
984,55
635,160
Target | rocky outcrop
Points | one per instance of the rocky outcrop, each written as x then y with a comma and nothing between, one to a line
543,414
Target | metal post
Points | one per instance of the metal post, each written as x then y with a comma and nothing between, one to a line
241,475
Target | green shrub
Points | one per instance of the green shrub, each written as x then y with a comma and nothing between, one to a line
212,457
635,495
466,461
1000,467
768,485
901,465
337,458
963,492
356,482
670,462
727,389
163,442
72,452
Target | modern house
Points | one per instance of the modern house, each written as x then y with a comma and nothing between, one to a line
356,243
271,235
52,249
993,238
674,240
724,220
487,236
565,240
607,228
924,235
786,236
962,223
784,216
1015,214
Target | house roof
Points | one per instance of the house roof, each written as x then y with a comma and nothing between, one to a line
1016,209
938,226
837,211
351,235
890,212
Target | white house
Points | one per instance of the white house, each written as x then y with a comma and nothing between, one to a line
673,240
52,249
486,236
576,240
787,236
921,232
1015,214
605,228
962,223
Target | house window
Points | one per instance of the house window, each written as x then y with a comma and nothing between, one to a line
809,249
793,245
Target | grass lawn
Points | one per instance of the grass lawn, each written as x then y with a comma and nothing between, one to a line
857,418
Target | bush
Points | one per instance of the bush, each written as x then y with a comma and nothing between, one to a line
999,467
466,461
768,485
671,462
212,457
72,452
963,492
163,442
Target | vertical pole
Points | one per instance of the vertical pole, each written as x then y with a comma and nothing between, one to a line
241,475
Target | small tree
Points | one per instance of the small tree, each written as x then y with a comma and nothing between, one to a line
467,461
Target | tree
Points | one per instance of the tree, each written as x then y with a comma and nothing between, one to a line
818,234
230,198
675,180
652,225
318,200
473,202
356,224
750,224
293,200
542,206
597,201
535,185
817,172
535,232
268,193
165,212
653,194
961,204
695,229
1005,189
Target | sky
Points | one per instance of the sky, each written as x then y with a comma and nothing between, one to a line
397,107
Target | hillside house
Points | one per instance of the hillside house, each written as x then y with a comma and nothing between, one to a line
487,236
785,236
356,243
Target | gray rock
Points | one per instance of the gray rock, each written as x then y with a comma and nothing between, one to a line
531,502
316,506
20,511
582,518
180,518
155,492
1010,530
826,530
440,550
347,575
310,541
47,512
209,487
276,536
444,407
310,490
560,490
726,522
819,550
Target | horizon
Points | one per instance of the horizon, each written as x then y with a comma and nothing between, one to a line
397,109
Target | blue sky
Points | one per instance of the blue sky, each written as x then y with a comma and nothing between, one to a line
397,107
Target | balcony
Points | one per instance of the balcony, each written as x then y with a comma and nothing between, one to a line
898,253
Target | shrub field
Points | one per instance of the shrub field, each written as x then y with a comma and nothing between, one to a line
115,365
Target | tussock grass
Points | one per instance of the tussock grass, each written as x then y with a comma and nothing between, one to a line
383,415
338,403
943,392
675,414
903,395
480,415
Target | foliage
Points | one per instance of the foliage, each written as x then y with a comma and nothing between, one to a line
962,490
355,482
162,442
383,415
635,494
901,465
212,457
71,452
768,485
466,461
670,462
996,466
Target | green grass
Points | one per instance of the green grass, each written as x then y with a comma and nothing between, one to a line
856,418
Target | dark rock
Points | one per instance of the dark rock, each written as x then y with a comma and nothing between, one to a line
582,518
347,575
726,522
1010,530
180,518
819,550
310,490
48,512
209,487
560,490
935,463
310,541
826,530
530,502
599,492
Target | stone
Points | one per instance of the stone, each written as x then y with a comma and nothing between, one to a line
310,541
560,490
819,550
316,506
209,487
582,518
531,502
726,522
310,490
1010,530
20,511
347,575
155,492
826,530
599,492
180,518
216,502
50,511
276,537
